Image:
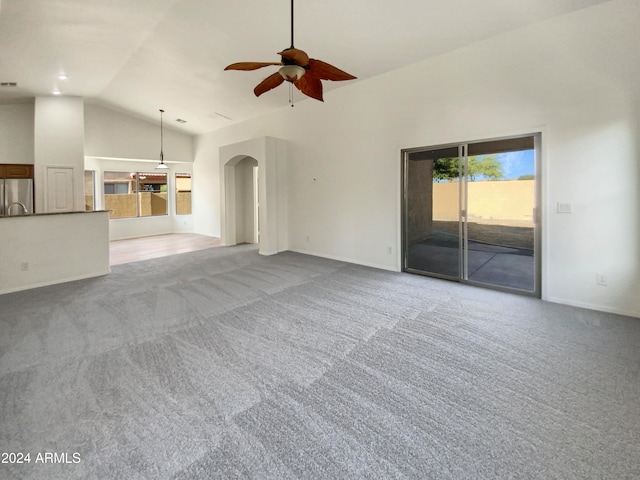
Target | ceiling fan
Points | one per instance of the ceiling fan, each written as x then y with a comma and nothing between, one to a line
296,67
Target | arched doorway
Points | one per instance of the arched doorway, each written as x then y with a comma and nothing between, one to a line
254,194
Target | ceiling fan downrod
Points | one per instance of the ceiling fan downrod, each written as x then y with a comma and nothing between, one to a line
292,71
292,24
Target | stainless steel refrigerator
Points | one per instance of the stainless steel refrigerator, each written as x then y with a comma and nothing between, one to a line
16,196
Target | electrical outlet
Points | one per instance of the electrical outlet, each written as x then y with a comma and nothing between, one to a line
389,250
24,266
601,279
307,238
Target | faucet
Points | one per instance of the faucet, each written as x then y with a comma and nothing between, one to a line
24,208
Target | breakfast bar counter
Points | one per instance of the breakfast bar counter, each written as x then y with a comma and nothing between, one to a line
47,248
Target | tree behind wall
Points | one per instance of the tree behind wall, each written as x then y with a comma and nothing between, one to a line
485,167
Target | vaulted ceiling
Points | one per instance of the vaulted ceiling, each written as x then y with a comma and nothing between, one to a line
137,56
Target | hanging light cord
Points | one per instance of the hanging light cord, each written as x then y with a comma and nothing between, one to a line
161,138
291,83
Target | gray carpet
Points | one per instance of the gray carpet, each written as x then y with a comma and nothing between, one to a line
225,364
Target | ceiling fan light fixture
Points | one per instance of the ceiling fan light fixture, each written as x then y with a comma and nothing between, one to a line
295,64
291,73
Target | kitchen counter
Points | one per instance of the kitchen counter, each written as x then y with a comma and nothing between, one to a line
51,213
51,248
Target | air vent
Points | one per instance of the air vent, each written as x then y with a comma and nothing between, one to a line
8,84
222,116
180,120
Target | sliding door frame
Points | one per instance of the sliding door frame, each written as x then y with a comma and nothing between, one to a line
463,211
404,210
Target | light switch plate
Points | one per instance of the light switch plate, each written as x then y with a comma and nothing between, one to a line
564,207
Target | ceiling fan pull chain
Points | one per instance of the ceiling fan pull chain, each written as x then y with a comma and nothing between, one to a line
291,94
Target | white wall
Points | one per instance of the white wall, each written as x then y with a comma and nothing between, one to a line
58,137
574,78
120,143
245,201
16,133
111,134
206,187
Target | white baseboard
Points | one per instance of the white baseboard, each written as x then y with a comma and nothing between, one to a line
345,259
593,306
53,282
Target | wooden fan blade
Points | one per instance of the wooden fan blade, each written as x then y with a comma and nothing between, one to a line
310,86
272,81
250,65
325,71
295,56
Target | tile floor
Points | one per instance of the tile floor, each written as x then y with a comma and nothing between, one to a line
144,248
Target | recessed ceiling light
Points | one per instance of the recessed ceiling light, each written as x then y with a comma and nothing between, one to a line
56,92
63,76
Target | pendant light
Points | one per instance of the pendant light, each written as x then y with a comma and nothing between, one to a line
161,165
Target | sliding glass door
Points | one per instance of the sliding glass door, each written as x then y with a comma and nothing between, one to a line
433,233
469,213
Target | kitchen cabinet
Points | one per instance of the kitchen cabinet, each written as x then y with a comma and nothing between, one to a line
16,170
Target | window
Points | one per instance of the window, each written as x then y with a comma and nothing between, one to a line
135,194
152,194
116,188
120,194
89,190
183,194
